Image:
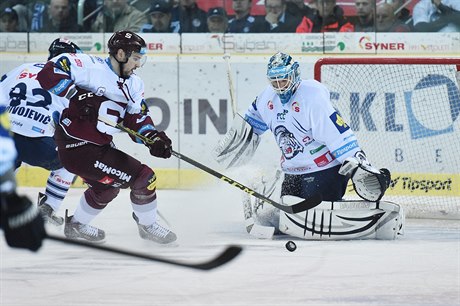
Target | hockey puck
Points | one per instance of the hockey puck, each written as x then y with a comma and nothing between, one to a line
290,246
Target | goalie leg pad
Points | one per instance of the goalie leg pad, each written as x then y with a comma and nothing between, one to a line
252,224
261,220
346,220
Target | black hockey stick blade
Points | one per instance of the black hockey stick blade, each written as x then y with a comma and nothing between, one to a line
227,255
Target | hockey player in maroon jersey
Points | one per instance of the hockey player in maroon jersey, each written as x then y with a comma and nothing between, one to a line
108,88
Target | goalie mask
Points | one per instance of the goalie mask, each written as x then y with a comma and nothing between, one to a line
284,75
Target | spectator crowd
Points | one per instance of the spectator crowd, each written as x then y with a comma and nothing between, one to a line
186,16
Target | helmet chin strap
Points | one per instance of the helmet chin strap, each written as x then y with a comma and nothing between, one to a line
121,65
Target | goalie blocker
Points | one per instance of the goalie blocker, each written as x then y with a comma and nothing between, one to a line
238,145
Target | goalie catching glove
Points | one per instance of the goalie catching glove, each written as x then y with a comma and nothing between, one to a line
369,183
160,144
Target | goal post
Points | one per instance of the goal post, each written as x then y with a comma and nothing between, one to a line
405,113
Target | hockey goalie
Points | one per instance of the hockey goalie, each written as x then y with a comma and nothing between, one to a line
320,154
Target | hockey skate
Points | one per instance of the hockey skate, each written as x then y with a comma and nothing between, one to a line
75,230
155,232
47,211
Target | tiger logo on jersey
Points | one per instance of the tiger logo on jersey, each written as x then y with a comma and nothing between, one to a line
289,146
339,123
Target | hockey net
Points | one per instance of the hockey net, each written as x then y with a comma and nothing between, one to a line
405,113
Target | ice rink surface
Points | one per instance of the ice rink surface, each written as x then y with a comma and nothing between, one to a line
422,268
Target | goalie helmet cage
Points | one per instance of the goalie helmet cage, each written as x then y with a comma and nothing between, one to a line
405,113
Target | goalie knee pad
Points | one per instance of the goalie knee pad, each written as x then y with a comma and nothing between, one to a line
143,189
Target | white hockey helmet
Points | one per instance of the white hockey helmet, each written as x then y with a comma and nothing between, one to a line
284,75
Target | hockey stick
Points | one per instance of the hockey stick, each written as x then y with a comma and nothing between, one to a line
227,255
230,84
296,208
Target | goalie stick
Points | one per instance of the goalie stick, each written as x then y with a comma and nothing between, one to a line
227,255
230,84
296,208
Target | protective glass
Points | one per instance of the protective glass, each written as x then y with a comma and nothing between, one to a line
139,58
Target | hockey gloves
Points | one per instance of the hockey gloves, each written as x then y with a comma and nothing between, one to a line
21,221
160,144
369,183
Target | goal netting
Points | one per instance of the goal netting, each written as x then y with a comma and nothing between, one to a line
405,113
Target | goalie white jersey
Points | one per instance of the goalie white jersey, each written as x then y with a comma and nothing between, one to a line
311,134
29,106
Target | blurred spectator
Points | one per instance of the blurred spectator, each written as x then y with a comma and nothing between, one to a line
328,18
58,16
298,8
9,21
243,21
387,21
141,5
401,12
437,16
118,15
192,18
160,17
175,12
277,20
364,20
217,20
21,9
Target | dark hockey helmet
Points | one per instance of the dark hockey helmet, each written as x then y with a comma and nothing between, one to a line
128,41
62,45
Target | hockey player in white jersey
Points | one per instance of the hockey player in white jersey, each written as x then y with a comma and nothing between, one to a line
20,220
96,88
320,153
30,109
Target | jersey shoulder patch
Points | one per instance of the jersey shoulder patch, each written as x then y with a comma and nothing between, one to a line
339,123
